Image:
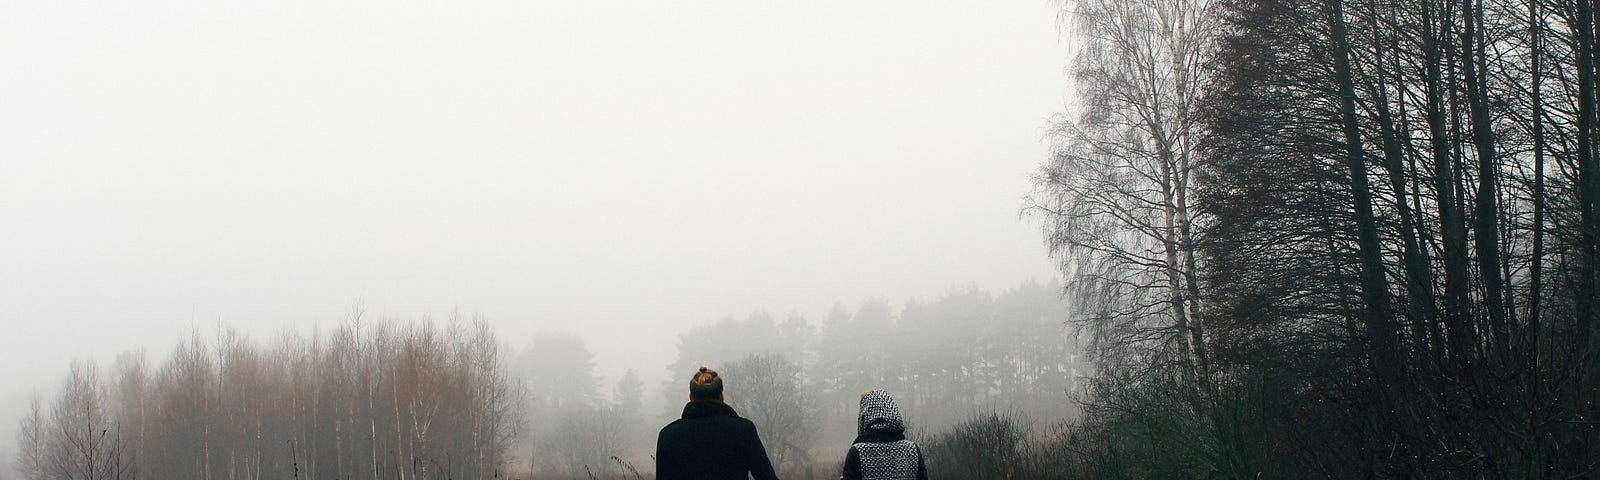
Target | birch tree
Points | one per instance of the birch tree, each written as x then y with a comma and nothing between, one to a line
1117,195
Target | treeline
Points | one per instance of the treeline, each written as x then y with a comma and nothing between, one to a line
368,400
390,399
946,360
1340,238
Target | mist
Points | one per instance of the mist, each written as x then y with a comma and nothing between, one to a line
1055,240
618,172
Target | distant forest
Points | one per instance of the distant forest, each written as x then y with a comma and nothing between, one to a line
967,353
390,399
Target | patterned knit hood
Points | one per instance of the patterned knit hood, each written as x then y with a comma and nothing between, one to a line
879,414
881,450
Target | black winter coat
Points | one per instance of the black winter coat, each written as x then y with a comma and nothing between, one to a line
711,442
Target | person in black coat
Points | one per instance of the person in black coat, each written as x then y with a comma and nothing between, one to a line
711,441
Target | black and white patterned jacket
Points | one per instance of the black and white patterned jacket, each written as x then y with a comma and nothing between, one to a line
881,451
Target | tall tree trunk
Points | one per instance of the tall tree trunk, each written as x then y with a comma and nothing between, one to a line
1177,276
1536,264
1420,305
1375,284
1457,307
1486,214
1588,177
399,445
1376,316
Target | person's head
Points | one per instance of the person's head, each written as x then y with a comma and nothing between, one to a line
705,385
879,413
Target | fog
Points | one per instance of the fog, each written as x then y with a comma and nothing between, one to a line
620,171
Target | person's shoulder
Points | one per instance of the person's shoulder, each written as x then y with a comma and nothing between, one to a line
671,426
741,422
736,423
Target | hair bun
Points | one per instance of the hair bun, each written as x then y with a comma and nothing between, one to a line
705,384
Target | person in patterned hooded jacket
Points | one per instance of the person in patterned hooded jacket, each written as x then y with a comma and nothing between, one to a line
881,450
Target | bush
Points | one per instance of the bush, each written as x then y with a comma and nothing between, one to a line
986,445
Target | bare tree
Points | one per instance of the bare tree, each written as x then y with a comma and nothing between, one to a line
82,440
31,442
1118,198
1117,195
767,389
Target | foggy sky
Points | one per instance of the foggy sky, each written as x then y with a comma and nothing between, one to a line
619,170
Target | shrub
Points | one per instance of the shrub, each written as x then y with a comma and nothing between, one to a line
986,445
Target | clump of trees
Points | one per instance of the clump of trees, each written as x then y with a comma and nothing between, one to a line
384,400
1343,238
573,432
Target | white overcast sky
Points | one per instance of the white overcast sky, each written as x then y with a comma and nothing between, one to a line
620,170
